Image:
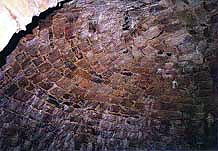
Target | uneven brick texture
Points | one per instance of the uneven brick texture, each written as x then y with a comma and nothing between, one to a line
114,75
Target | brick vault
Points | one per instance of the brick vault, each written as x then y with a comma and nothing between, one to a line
116,75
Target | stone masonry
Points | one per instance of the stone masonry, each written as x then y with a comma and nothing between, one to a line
114,75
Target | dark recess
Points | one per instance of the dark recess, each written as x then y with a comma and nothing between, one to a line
17,36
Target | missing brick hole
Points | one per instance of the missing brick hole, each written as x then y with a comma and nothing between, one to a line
160,52
125,51
169,54
186,2
76,106
127,21
92,26
51,99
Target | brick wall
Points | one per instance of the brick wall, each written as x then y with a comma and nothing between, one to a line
114,75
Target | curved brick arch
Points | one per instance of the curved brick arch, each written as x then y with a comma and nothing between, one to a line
82,81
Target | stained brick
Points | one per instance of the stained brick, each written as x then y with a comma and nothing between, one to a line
54,76
45,67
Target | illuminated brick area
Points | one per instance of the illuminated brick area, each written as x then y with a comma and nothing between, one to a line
113,75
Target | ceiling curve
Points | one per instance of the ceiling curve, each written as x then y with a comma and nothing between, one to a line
16,14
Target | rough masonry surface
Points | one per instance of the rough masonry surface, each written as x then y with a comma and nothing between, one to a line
118,75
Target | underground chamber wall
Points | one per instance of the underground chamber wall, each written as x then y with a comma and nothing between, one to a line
91,76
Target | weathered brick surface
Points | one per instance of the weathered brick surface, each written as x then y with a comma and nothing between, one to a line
114,75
